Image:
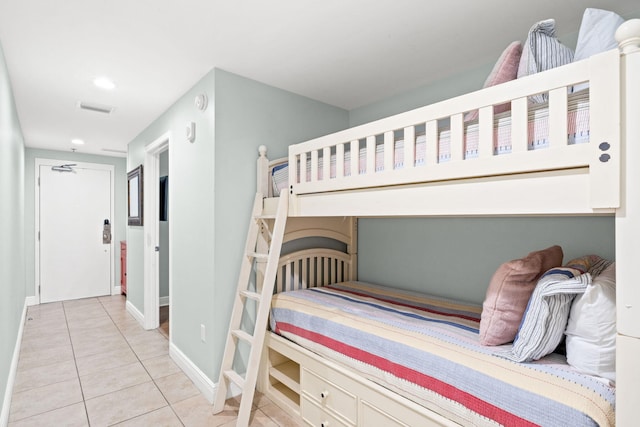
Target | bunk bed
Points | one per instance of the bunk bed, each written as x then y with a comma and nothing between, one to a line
442,160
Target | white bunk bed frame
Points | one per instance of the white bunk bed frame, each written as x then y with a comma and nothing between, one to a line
595,178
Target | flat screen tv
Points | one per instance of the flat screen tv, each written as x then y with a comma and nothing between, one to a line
164,198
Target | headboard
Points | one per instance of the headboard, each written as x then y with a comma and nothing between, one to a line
311,268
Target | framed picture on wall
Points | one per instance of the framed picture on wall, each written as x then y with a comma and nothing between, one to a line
135,196
164,198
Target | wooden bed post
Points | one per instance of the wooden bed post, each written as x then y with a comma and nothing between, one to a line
628,230
352,249
263,172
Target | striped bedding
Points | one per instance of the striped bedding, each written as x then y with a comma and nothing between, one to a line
427,350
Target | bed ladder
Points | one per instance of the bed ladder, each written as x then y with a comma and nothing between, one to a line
263,246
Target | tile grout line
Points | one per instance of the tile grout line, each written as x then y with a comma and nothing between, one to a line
75,362
143,367
112,308
28,318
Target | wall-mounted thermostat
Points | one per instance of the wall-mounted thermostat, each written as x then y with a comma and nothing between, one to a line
190,131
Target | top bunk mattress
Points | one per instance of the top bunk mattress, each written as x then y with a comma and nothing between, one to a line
427,349
537,139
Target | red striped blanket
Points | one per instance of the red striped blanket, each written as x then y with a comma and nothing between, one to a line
427,349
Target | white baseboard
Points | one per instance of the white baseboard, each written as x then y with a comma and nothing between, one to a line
32,300
204,384
164,301
117,290
132,310
6,404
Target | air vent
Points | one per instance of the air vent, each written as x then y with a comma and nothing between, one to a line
98,108
111,150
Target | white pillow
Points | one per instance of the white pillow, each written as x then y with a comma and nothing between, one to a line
597,32
591,330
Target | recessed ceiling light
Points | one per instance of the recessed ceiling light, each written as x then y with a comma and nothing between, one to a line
77,141
104,83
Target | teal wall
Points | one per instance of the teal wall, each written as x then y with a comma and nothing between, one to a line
12,248
456,257
212,185
458,84
120,209
191,189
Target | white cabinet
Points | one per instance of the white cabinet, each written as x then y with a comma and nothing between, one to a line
321,393
317,416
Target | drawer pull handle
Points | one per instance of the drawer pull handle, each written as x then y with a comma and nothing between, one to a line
324,395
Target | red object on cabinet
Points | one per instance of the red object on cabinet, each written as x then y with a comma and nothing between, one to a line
123,267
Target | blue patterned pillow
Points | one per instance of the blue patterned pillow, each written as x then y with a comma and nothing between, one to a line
597,32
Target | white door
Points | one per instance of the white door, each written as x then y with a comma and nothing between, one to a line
73,206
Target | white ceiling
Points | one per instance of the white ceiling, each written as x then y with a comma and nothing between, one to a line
346,53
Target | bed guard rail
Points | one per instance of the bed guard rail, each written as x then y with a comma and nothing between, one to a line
444,141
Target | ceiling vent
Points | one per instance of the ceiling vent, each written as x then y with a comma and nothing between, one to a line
98,108
111,150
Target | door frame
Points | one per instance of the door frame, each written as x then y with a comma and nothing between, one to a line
100,166
152,232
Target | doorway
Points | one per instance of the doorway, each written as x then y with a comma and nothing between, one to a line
163,265
157,250
74,209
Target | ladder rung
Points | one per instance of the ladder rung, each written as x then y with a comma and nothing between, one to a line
256,255
251,295
264,229
243,335
263,217
235,378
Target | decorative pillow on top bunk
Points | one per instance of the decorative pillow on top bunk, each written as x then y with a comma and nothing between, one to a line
504,70
543,51
547,313
591,331
597,33
508,294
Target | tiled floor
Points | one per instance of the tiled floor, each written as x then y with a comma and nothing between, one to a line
89,363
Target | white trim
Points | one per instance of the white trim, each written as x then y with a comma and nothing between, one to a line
163,301
204,384
151,231
117,290
99,166
32,300
132,310
6,404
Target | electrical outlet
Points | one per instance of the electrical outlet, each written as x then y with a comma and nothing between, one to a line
202,333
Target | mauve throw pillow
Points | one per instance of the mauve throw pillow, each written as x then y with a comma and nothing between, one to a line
509,291
505,69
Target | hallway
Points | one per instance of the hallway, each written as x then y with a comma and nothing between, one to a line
89,363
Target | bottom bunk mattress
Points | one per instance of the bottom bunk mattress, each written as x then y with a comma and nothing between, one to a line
427,349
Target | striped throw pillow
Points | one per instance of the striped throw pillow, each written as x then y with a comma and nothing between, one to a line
547,314
542,51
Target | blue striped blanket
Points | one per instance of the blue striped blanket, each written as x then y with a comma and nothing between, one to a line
427,350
